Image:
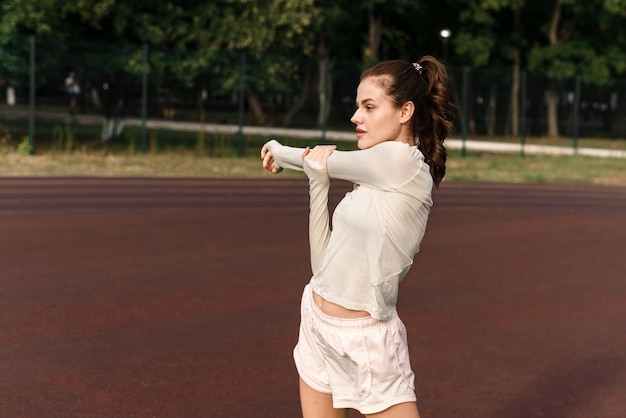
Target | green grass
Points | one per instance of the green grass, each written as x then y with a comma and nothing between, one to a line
75,150
94,164
473,167
536,169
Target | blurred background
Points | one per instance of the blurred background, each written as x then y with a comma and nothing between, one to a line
106,74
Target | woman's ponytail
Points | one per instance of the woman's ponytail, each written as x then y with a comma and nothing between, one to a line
435,119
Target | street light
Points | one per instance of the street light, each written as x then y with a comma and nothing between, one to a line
445,35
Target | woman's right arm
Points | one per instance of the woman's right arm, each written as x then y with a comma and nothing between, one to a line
314,162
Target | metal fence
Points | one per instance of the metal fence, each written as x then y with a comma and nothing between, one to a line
122,82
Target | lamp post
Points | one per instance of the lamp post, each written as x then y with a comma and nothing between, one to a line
445,35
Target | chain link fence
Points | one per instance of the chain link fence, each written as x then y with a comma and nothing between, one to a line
51,90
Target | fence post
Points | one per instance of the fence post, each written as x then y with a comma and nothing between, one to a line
522,112
242,97
31,107
576,113
465,99
144,96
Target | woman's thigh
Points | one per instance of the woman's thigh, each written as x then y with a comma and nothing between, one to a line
317,404
401,410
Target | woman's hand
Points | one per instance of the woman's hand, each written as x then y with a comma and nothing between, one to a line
319,153
268,160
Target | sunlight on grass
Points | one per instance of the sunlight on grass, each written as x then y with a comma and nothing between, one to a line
536,169
474,167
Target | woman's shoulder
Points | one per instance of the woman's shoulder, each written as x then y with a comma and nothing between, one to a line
399,151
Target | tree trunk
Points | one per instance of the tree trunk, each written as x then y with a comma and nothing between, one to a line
325,92
515,92
373,46
515,85
553,117
302,98
553,111
553,34
257,108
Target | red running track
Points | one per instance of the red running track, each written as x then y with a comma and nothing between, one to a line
146,297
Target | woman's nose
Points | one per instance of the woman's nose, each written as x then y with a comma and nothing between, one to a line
354,119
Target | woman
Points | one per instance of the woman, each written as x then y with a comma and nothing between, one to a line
352,349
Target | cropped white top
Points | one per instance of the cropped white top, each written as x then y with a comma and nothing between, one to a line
377,228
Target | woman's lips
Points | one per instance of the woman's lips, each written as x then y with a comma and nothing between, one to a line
360,133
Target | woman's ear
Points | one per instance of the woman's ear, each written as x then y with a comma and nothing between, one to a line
407,112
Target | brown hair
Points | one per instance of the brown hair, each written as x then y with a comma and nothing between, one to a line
424,83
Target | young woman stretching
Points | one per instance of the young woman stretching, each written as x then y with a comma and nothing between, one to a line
352,349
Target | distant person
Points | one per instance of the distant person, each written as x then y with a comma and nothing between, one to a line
73,89
352,350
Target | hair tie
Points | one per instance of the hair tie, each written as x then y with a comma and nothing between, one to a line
418,67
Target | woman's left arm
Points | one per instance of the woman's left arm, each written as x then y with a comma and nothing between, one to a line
276,157
383,166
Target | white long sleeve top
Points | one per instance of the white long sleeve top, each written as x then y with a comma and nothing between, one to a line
377,227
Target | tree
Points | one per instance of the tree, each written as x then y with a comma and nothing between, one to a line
387,29
19,20
187,39
583,38
268,31
493,34
334,18
561,40
102,37
513,45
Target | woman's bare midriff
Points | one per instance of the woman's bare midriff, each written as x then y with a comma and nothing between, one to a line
338,311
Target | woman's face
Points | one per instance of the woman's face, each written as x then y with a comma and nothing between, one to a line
376,119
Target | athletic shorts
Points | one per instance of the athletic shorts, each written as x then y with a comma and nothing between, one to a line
363,363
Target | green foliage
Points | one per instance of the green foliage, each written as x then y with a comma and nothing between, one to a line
590,36
153,142
484,35
503,4
184,37
63,137
616,57
266,26
616,7
6,139
201,143
14,52
195,45
583,49
477,49
25,147
132,142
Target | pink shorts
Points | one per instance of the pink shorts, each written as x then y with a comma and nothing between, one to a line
363,363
